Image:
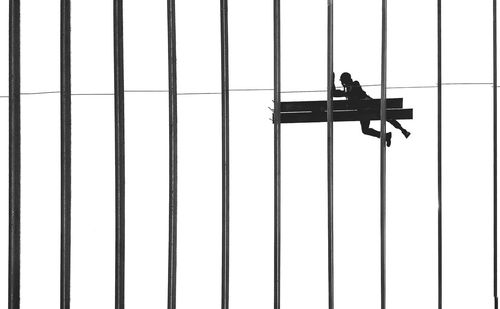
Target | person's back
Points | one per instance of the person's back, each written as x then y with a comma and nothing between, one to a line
353,91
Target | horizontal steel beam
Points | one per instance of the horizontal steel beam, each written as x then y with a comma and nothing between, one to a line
392,114
320,106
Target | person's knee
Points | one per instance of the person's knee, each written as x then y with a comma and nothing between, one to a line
364,126
365,129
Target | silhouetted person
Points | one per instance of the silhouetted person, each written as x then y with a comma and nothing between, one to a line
353,91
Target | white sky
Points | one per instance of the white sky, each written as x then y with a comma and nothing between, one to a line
412,205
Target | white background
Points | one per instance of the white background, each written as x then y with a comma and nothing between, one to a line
412,168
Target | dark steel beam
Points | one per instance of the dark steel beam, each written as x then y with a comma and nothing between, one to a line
383,158
119,156
172,96
320,106
65,154
225,152
329,108
495,154
277,154
439,157
14,153
402,114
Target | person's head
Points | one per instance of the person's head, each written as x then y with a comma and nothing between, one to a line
346,79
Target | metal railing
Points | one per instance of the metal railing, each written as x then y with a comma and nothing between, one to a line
66,94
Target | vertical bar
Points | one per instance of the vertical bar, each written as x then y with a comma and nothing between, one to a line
383,161
119,156
330,157
225,152
495,163
65,154
440,203
172,95
14,153
277,154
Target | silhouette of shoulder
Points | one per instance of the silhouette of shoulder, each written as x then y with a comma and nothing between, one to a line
356,92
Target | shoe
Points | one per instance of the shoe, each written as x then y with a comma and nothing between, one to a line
406,133
388,137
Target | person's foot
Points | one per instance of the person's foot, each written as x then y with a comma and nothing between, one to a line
406,133
388,137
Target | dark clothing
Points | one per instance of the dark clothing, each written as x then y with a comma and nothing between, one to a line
355,92
352,92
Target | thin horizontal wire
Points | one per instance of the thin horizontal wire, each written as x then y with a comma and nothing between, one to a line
242,90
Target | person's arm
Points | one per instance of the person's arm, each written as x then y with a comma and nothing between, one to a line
336,93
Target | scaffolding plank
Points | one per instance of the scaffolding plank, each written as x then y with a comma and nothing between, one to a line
320,106
392,114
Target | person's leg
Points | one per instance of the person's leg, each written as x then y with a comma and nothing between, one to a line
365,128
397,125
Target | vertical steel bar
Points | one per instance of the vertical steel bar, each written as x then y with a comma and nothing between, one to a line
172,94
439,172
330,156
65,154
119,156
383,161
277,154
14,153
225,152
495,163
